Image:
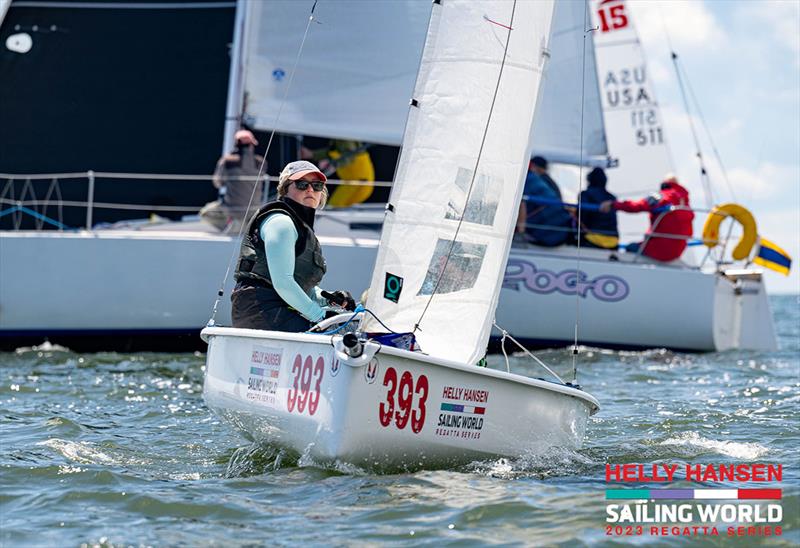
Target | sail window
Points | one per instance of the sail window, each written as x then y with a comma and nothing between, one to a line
457,273
482,205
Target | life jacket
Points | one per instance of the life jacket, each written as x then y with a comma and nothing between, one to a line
678,222
309,264
596,223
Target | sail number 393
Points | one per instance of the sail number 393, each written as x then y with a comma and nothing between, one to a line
304,393
401,396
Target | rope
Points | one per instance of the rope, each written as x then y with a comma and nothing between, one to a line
700,114
507,335
234,251
170,177
359,309
503,348
477,163
703,172
580,202
710,138
35,215
380,322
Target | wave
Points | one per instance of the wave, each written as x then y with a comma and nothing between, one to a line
694,445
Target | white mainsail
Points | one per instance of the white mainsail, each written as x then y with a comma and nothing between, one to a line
570,95
634,128
342,87
371,86
454,203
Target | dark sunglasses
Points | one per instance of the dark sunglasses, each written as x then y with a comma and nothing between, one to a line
318,186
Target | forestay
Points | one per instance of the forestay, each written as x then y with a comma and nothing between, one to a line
570,95
456,195
356,73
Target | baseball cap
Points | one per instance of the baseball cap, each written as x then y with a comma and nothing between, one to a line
299,169
245,137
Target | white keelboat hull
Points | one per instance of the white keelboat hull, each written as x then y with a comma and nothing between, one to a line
149,282
398,408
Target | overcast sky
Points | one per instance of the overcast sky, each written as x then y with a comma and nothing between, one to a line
742,58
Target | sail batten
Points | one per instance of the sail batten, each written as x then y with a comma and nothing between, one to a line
459,180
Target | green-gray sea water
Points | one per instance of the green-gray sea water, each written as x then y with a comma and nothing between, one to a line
117,449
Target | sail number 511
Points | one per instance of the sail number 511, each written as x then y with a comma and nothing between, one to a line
399,405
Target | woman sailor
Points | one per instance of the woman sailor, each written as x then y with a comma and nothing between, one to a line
280,263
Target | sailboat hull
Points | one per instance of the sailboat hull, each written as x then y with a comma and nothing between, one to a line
629,302
398,408
137,289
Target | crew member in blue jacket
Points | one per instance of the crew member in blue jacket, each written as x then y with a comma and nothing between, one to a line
598,229
541,218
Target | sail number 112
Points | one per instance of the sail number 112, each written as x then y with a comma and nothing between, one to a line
400,397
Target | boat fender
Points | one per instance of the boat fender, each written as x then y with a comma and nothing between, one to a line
342,351
745,218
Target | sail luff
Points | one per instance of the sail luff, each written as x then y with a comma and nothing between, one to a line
447,234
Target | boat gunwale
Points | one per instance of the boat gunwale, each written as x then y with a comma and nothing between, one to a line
593,403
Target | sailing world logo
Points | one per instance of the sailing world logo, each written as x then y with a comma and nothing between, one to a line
521,273
740,509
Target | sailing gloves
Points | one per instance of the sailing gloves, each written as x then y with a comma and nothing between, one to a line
341,299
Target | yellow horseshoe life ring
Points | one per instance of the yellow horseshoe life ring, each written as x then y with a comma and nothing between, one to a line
745,218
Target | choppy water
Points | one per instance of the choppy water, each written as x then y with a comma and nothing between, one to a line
115,449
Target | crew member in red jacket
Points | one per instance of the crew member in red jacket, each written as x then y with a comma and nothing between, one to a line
677,222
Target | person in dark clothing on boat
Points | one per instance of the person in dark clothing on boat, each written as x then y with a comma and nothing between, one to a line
281,264
542,219
598,229
235,179
539,166
670,220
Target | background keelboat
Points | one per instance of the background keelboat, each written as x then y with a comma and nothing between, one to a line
160,269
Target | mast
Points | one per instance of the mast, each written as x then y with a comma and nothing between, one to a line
235,102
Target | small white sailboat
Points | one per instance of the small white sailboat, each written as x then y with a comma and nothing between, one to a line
438,275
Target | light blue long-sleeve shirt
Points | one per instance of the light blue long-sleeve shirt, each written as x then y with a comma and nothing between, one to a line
279,236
